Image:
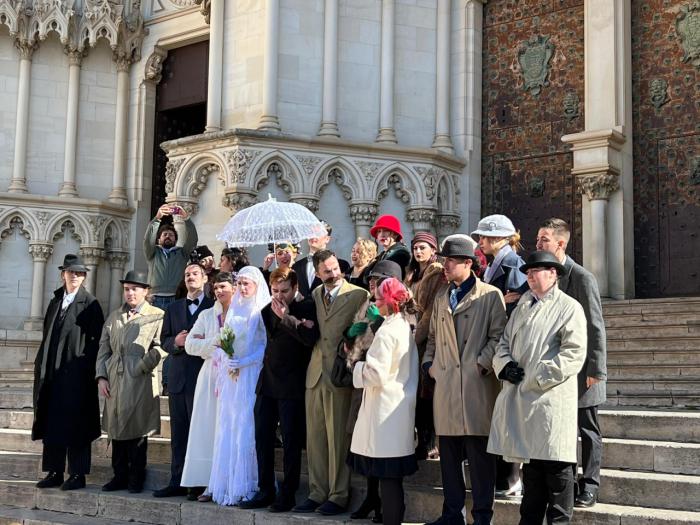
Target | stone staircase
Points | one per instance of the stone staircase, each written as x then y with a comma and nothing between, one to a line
651,459
653,352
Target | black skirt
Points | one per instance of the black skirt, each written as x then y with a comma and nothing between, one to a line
383,467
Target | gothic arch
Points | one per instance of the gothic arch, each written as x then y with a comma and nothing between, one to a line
288,177
51,18
71,222
18,217
192,177
9,17
351,182
446,195
112,236
407,185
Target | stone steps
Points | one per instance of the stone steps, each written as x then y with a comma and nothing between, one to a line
682,316
655,425
651,306
422,504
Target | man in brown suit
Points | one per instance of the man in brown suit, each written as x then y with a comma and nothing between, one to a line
327,406
466,323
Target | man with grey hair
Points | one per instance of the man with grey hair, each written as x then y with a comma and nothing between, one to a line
577,282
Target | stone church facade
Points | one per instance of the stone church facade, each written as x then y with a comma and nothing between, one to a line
439,111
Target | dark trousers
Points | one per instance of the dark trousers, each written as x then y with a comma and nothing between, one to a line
507,474
548,490
482,473
129,459
424,426
53,458
180,406
591,449
393,506
290,414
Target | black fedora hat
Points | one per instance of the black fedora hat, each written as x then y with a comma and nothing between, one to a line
137,277
457,247
542,259
386,269
73,263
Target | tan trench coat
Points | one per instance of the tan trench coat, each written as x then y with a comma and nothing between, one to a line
536,419
129,354
463,400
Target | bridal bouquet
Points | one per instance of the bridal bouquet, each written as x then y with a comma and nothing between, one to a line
226,339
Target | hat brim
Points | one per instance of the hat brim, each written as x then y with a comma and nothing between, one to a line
496,233
456,256
558,267
373,231
74,268
137,283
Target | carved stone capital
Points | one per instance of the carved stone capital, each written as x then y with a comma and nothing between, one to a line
307,201
123,61
26,48
117,259
239,161
422,218
447,224
171,170
92,255
599,185
75,56
239,200
364,213
40,252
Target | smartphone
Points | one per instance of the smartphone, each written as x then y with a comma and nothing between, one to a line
176,210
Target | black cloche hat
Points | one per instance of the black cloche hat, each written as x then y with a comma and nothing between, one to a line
542,259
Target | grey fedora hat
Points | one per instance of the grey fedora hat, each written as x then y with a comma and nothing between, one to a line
457,247
73,263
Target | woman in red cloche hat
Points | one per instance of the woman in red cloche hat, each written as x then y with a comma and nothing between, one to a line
387,232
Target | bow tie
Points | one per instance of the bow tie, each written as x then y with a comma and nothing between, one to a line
193,301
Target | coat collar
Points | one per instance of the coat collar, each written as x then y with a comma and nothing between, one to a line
525,311
467,301
565,279
340,299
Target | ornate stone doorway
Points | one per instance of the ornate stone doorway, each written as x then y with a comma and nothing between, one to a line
181,106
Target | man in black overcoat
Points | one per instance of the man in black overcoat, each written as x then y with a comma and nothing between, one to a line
66,405
292,329
304,267
179,318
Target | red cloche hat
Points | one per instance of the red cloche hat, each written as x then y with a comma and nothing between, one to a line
388,222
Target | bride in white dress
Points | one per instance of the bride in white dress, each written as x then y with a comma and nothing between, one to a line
234,473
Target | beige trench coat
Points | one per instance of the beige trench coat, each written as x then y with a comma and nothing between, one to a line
536,419
129,354
389,379
463,400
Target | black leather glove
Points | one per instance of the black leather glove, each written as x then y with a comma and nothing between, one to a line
512,373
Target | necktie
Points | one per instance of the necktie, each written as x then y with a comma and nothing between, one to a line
453,299
327,299
132,312
193,301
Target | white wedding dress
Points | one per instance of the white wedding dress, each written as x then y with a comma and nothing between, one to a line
234,473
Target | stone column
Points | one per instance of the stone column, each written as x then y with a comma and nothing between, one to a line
307,200
18,184
268,119
216,64
40,252
329,118
386,96
604,149
363,215
69,188
421,217
598,188
118,193
117,263
442,140
92,256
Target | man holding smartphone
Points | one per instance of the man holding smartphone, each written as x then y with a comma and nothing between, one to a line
167,260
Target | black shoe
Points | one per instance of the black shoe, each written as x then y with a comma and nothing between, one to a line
169,492
114,484
52,479
194,492
283,503
330,509
308,506
135,483
75,481
367,506
586,499
259,500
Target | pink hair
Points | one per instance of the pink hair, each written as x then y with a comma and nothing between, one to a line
393,293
